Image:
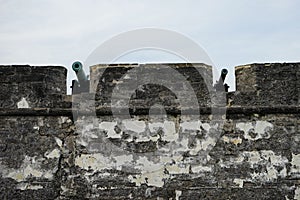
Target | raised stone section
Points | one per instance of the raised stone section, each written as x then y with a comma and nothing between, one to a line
269,84
25,86
150,84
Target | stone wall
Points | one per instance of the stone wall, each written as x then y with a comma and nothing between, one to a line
50,149
32,86
268,84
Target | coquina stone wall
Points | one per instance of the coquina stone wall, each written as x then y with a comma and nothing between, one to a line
161,139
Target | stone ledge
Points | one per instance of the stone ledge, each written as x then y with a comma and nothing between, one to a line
106,110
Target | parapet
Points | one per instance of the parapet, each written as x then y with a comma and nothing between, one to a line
268,84
148,84
25,86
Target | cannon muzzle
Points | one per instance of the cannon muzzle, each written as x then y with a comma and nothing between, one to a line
82,85
78,69
220,86
224,72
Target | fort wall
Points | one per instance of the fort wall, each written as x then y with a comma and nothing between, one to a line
156,142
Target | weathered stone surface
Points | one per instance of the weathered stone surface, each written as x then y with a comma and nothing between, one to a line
162,150
267,84
31,153
24,86
152,83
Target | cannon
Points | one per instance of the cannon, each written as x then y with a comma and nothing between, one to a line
78,69
220,86
224,73
82,85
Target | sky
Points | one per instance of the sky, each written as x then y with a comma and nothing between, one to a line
55,32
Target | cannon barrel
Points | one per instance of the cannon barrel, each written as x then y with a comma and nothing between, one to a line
224,72
220,86
78,68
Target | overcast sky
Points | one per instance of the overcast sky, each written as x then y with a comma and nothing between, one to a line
50,32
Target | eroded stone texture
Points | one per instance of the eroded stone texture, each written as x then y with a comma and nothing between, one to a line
31,153
151,83
24,86
268,84
160,150
157,160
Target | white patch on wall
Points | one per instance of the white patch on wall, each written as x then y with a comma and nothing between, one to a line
153,173
62,120
201,169
29,168
203,145
239,182
178,169
178,193
142,163
260,129
55,153
23,103
169,131
28,186
234,140
109,127
134,125
95,161
153,127
88,132
168,128
122,160
58,141
40,121
295,168
190,125
297,193
154,178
